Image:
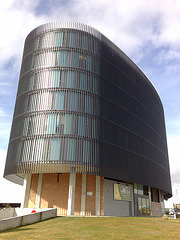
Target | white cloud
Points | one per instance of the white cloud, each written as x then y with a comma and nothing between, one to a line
174,156
172,68
171,18
2,113
17,19
4,127
176,196
167,55
2,161
130,24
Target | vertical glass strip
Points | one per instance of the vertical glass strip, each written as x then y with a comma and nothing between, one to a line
58,39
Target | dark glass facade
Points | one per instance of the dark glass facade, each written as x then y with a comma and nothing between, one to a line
83,103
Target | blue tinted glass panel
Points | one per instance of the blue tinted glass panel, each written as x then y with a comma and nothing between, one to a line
89,63
55,78
84,81
85,42
69,149
86,152
73,39
55,149
72,150
62,58
80,127
51,124
140,189
87,104
95,85
75,62
83,125
96,66
73,105
96,48
70,79
59,100
68,124
58,39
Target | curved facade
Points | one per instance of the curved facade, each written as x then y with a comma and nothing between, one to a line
82,104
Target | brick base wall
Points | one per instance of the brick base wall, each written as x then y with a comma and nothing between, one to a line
156,209
55,190
54,194
90,200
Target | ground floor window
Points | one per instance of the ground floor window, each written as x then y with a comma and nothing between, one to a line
143,206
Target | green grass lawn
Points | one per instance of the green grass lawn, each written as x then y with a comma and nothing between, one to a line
98,228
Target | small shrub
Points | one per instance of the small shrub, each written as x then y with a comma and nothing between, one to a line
165,217
8,206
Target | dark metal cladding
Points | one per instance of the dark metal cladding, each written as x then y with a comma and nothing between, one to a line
83,103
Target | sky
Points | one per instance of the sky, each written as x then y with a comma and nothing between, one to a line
147,31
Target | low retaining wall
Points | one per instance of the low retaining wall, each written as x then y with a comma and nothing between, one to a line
7,213
22,220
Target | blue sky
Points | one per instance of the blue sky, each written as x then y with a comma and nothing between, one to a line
147,31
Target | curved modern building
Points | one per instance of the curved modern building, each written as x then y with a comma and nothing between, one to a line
88,132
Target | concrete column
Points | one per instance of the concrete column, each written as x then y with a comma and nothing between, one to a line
71,197
161,200
39,188
98,188
132,199
26,185
149,189
83,196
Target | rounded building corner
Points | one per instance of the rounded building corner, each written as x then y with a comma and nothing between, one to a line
85,113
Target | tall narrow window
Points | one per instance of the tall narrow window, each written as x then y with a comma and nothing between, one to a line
55,149
58,39
75,59
140,189
140,206
55,78
68,124
73,104
70,79
73,39
60,119
36,43
89,63
85,41
155,195
51,123
82,61
56,59
62,58
59,100
31,82
145,190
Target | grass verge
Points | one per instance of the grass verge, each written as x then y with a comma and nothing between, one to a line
106,228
